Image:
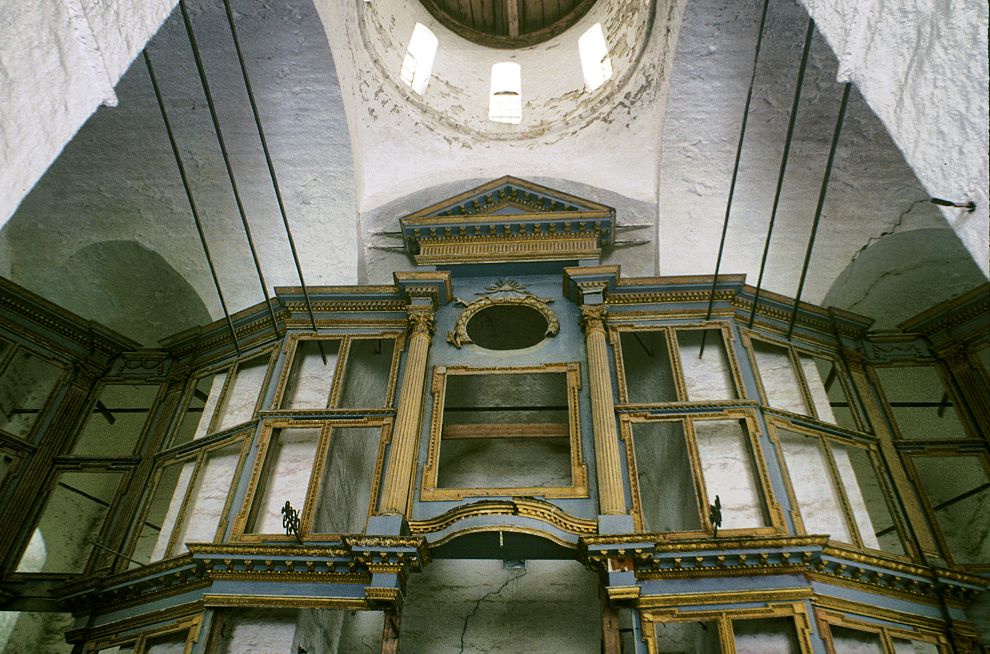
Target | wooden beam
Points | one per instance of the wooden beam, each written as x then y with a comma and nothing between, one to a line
611,639
507,430
390,634
512,7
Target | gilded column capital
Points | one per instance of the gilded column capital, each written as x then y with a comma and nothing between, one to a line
421,321
955,356
593,317
853,357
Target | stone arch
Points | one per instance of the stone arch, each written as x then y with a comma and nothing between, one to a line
126,287
903,274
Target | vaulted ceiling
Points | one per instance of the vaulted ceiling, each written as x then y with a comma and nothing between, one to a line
108,230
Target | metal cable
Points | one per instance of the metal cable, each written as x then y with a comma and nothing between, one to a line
189,196
783,162
271,167
735,173
226,160
821,203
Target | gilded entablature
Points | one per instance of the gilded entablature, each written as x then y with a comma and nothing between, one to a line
508,220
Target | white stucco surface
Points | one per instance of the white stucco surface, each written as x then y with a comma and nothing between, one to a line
59,60
922,67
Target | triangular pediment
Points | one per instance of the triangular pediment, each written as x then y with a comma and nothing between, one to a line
508,196
508,220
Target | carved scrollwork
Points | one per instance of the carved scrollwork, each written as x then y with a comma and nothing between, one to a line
459,335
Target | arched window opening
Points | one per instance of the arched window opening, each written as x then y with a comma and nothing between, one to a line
418,64
595,62
505,104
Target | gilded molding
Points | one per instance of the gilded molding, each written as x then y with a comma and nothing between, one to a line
429,490
647,602
524,507
212,600
459,335
184,616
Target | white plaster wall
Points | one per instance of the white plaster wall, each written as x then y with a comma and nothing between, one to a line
446,135
59,60
709,376
30,633
873,193
477,606
117,180
922,67
765,635
727,468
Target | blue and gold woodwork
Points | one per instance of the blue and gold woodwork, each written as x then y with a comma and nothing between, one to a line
513,245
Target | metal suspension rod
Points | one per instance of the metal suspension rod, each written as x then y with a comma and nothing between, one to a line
271,167
189,196
783,162
735,173
821,203
226,160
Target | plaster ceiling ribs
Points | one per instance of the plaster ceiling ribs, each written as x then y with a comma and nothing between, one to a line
218,131
508,23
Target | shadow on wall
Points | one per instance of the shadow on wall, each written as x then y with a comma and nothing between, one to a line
903,274
126,287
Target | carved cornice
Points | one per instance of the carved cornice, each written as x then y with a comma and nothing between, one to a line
811,556
58,325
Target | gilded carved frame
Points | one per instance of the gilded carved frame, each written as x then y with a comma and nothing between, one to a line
340,369
197,458
95,396
793,354
139,641
674,353
724,617
945,377
30,437
774,511
912,629
262,465
123,468
459,335
774,424
947,450
229,369
429,490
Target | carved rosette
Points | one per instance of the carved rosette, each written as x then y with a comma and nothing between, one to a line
459,335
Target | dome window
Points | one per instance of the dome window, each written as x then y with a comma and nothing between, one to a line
505,103
418,64
595,62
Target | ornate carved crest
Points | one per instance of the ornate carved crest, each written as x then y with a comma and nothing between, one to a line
459,335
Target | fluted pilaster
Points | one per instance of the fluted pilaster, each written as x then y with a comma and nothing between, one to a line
405,436
611,496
